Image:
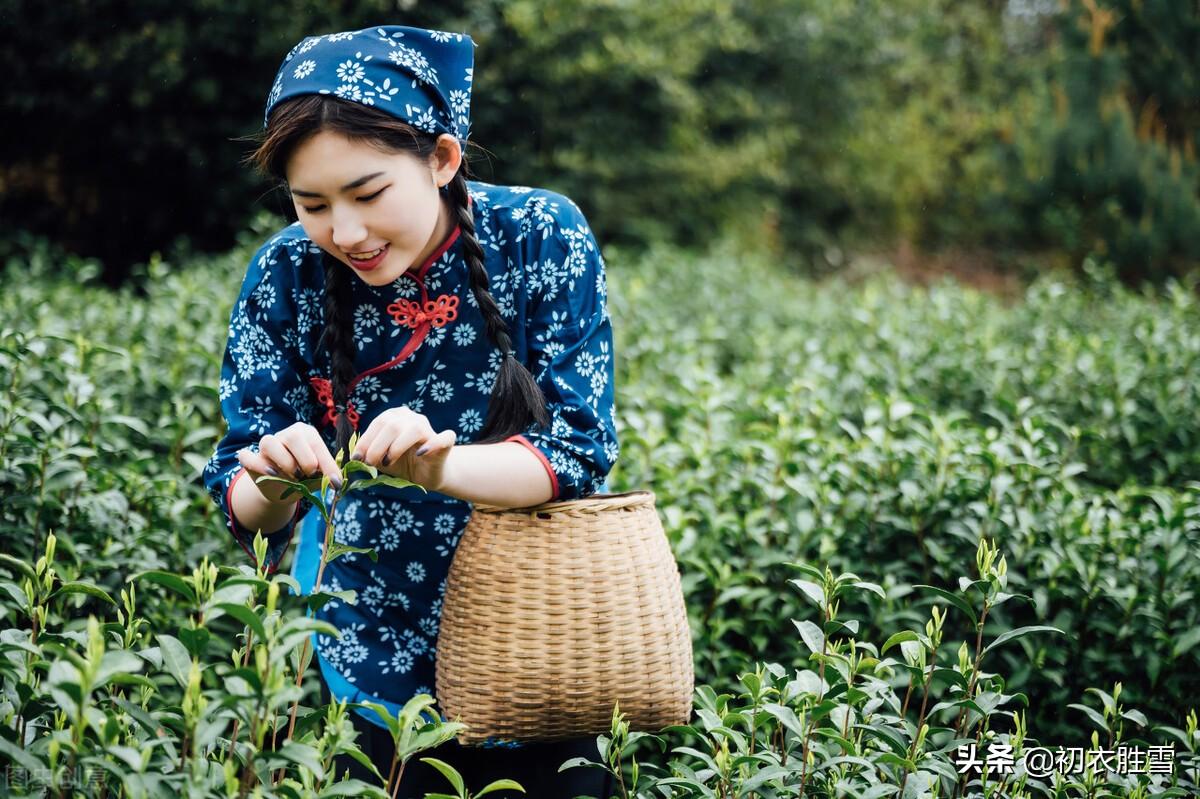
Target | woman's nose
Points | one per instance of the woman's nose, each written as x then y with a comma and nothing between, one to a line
348,231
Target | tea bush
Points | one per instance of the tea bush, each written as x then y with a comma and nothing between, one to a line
875,427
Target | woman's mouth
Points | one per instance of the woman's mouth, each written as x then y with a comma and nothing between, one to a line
366,261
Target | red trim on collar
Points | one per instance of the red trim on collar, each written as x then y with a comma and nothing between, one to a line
413,342
438,253
520,439
422,330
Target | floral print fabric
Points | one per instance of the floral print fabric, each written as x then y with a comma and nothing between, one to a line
547,276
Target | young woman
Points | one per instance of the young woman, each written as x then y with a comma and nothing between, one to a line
459,328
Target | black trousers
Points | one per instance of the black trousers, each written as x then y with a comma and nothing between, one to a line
534,765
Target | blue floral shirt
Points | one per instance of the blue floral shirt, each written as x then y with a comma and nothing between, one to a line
547,276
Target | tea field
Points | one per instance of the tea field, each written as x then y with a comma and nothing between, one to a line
912,524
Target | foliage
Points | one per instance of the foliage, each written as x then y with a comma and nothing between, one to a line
874,427
1110,164
863,722
92,705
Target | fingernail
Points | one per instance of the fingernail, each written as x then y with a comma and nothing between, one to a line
272,472
422,450
356,456
336,482
386,460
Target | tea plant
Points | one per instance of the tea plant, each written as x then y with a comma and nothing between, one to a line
861,722
867,424
112,708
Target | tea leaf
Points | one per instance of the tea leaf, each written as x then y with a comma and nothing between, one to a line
180,585
1020,632
501,785
175,658
954,599
448,771
1186,641
812,636
387,480
78,587
17,565
243,614
337,550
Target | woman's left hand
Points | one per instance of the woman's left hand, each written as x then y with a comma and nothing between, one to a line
392,441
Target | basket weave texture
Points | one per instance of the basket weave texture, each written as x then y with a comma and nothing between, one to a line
554,613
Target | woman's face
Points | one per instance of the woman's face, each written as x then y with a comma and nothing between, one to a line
378,213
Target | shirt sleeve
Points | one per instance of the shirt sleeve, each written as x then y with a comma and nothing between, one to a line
262,388
570,342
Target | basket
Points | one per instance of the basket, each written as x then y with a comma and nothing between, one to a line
554,613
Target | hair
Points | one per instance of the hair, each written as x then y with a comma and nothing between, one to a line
516,401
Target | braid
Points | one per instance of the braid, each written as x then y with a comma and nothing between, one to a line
341,344
516,400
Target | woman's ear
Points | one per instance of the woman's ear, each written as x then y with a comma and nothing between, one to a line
446,159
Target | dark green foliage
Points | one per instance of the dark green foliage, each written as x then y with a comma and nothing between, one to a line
1120,175
797,126
881,429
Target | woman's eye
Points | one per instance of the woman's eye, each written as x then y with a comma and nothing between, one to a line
314,209
370,197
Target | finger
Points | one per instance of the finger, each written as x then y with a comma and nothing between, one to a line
328,464
439,444
369,435
279,451
308,463
406,440
255,464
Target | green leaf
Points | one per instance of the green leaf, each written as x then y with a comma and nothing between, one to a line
900,637
175,658
1186,641
394,482
954,599
304,756
115,664
18,596
811,590
1137,717
448,771
1095,717
358,466
195,639
178,584
295,488
79,587
18,566
243,614
1018,633
501,785
812,636
318,600
353,788
336,550
15,754
872,587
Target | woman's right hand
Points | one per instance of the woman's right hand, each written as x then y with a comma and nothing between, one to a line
297,452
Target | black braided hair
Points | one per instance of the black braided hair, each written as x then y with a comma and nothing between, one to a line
337,336
516,401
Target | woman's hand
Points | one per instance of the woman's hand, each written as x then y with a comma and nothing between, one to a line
297,452
400,442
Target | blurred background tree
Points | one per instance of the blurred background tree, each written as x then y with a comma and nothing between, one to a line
809,128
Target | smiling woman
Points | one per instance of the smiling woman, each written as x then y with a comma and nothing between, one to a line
383,222
459,328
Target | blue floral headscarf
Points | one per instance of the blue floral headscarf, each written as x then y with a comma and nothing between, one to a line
421,76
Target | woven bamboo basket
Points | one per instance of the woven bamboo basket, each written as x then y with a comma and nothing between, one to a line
554,613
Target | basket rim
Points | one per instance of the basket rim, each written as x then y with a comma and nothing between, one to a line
589,504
